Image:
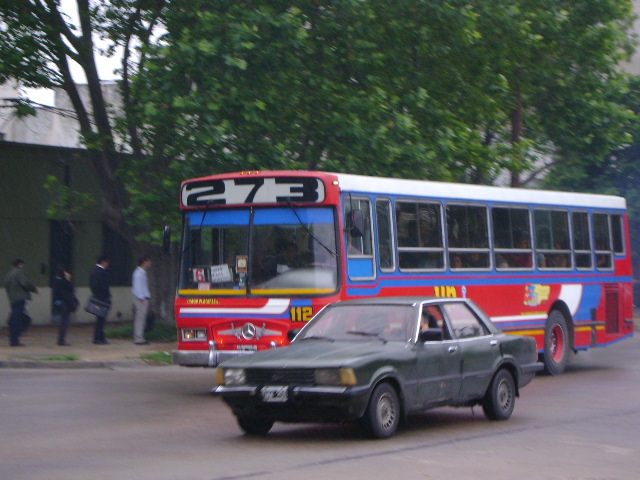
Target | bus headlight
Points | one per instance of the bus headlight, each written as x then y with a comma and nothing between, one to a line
335,376
231,376
194,334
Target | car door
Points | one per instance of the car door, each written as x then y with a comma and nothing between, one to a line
479,349
439,364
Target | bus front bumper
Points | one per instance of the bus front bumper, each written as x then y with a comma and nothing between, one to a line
204,358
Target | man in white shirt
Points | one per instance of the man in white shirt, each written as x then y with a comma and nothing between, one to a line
141,294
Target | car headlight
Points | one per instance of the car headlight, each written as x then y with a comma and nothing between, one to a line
335,376
231,376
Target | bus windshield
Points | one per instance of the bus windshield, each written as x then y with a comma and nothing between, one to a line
283,250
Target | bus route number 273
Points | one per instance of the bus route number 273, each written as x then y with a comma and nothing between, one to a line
251,190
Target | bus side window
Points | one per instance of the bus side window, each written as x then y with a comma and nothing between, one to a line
512,238
582,240
602,236
420,239
384,230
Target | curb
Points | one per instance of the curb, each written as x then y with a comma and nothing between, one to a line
75,364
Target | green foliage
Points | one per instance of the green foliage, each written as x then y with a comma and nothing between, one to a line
452,90
157,358
617,173
162,332
70,357
66,203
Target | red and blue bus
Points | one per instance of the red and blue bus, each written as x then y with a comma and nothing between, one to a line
262,252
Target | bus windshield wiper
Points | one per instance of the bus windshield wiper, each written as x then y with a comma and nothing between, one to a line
308,230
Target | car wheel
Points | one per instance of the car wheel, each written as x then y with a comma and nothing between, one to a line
254,425
382,417
557,344
500,399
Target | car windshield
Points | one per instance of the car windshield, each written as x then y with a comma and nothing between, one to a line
362,322
265,251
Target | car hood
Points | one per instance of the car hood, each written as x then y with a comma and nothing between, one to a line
320,353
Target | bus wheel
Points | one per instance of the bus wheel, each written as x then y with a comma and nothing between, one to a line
254,425
500,399
382,417
557,343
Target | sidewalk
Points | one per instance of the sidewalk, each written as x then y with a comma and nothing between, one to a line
41,350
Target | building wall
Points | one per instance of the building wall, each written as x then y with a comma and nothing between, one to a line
55,126
25,230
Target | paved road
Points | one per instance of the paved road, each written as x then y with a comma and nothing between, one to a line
160,423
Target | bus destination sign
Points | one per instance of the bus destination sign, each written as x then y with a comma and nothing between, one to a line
252,190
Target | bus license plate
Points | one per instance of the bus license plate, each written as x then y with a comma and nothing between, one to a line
248,348
274,394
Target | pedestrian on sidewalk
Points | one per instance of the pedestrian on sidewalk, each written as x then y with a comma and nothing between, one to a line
19,290
64,301
141,296
100,283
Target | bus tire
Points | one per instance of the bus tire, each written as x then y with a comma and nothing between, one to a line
383,415
255,425
557,343
500,399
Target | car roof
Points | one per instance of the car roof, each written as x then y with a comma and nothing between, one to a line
412,300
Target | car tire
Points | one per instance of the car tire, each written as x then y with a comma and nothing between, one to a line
254,425
382,417
500,399
557,344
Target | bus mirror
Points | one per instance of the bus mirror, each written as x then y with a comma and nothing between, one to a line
356,223
166,238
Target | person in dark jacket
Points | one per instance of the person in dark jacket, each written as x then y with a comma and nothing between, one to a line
19,290
100,283
64,301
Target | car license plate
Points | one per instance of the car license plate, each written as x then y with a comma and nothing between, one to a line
274,394
248,348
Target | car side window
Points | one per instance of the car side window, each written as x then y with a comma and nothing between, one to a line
432,317
464,322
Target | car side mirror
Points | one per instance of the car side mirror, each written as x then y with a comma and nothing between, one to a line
292,333
431,335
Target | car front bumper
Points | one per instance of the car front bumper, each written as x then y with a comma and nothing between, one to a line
304,403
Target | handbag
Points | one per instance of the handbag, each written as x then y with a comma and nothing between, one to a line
97,307
74,304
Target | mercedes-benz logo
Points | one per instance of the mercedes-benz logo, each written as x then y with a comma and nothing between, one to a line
248,331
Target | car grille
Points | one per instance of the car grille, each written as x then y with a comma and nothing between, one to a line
273,376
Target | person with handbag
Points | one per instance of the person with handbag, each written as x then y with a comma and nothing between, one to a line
100,283
141,295
19,290
64,302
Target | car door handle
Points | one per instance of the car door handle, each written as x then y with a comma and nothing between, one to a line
453,349
493,343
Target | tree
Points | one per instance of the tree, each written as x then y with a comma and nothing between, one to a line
559,62
38,43
445,89
616,173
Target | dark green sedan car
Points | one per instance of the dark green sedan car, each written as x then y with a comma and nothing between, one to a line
375,361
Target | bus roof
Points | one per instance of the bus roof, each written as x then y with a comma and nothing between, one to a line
463,191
